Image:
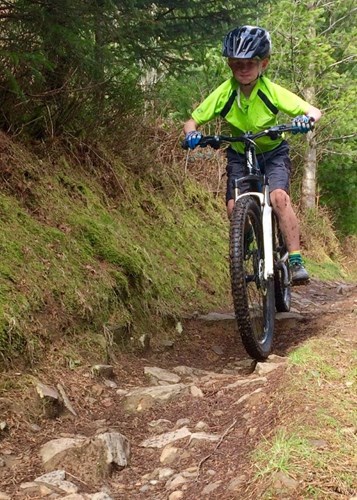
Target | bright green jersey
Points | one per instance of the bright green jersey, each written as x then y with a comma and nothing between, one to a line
256,113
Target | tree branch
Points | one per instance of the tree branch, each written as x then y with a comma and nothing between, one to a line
348,58
337,21
341,138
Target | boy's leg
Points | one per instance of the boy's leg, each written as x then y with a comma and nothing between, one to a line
235,170
278,166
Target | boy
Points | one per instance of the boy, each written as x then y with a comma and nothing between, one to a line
250,102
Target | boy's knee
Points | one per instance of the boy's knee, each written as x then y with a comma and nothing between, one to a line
279,199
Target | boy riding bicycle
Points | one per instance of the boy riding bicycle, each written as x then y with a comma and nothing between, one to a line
250,102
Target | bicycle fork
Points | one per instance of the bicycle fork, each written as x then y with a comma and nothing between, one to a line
267,223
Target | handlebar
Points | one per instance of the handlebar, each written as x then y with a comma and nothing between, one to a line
215,141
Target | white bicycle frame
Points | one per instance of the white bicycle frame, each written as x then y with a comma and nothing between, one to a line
267,222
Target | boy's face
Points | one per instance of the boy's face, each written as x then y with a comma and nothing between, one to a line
246,71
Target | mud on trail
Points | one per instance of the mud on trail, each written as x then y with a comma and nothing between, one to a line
193,442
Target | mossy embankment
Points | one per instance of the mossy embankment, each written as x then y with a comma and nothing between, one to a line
100,245
94,254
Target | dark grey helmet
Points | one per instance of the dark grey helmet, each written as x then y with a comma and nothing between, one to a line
247,42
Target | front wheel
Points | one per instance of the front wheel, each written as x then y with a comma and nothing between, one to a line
253,296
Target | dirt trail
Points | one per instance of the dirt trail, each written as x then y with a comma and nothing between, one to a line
225,404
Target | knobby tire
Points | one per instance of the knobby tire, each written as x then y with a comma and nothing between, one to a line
253,297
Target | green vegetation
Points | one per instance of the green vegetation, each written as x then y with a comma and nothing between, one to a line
75,260
314,443
103,236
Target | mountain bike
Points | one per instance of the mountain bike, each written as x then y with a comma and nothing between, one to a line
259,259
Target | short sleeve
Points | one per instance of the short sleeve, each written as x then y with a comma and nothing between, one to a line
213,104
288,102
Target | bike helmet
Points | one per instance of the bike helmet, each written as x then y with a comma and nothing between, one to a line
247,42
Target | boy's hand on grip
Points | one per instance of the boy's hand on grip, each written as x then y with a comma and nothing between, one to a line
192,139
303,124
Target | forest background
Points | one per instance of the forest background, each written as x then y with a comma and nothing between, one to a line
96,195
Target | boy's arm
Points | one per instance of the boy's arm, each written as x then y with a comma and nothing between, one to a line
190,126
314,113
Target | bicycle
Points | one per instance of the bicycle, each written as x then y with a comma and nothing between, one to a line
259,259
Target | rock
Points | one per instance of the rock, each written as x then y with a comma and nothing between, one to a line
283,481
247,396
203,436
56,480
265,368
176,495
163,439
189,371
53,477
5,496
179,327
211,472
209,488
196,392
246,381
145,397
35,427
245,363
122,392
173,483
168,455
319,444
160,374
3,427
51,404
342,289
200,426
111,384
274,358
101,495
165,473
236,483
38,489
53,451
105,371
88,459
167,343
218,350
160,425
117,448
75,496
144,341
214,316
181,422
65,400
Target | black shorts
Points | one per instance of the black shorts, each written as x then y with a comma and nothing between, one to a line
275,164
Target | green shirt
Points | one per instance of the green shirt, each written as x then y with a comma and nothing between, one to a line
254,114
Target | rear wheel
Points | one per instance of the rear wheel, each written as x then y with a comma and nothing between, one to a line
253,296
281,271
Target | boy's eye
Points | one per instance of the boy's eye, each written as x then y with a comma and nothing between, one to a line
233,63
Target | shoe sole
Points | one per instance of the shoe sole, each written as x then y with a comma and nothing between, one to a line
300,282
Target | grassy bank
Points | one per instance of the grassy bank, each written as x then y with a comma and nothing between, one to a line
311,450
100,245
91,250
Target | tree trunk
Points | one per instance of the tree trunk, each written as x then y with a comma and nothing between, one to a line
310,156
309,176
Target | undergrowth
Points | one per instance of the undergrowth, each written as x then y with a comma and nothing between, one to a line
91,246
105,241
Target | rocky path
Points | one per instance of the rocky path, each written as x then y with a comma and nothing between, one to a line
177,423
